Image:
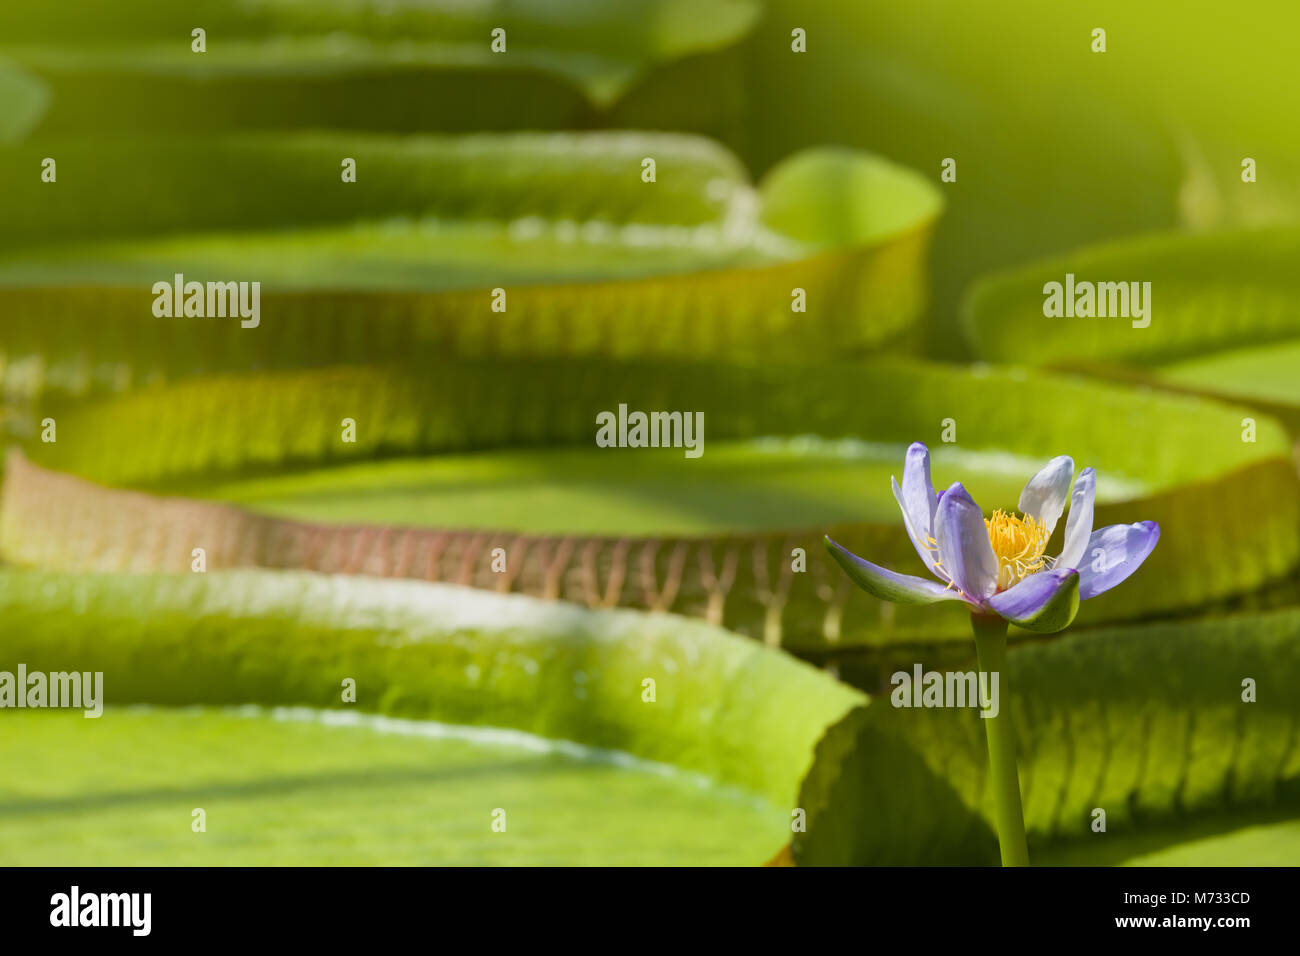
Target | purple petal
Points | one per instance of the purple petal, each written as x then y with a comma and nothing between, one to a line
889,585
1044,602
1079,525
1045,493
1113,553
916,499
964,547
918,493
920,536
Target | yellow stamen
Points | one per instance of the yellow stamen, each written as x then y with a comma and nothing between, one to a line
1018,542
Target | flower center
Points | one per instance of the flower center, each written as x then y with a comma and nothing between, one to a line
1018,542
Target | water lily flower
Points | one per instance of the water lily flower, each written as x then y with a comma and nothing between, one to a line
999,565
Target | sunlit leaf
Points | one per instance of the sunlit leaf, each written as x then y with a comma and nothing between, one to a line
1208,292
289,786
599,48
1147,723
723,707
590,259
1227,508
23,100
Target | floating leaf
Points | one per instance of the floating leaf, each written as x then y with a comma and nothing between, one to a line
1265,376
1129,151
723,707
169,190
24,99
1146,723
289,786
1228,509
598,48
1208,292
590,260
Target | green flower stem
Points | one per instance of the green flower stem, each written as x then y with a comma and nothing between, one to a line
991,646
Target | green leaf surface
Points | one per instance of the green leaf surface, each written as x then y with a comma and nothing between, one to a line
1223,320
735,487
1267,376
591,259
1259,838
1147,723
161,187
724,707
24,98
1265,372
286,786
596,47
1208,292
927,89
1227,509
1130,152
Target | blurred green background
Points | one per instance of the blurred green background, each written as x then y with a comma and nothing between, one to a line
477,226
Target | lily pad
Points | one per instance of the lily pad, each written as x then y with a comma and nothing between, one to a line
599,49
1130,151
1268,838
24,98
1265,372
1223,320
1150,724
1228,509
588,259
1266,376
176,191
284,786
729,725
737,487
1209,292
